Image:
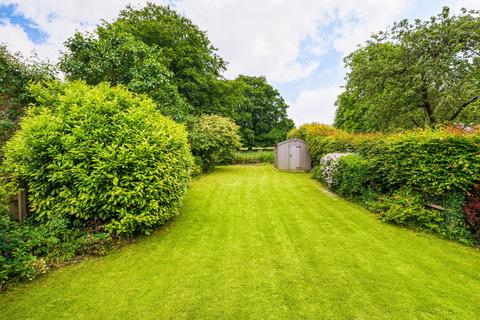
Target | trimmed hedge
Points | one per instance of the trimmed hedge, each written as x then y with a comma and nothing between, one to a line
100,155
432,161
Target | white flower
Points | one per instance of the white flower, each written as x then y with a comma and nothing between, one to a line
329,166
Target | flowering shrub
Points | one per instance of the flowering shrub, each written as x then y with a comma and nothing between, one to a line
327,170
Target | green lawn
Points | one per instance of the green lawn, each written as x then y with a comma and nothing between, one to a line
253,243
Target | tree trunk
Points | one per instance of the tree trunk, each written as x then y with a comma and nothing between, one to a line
426,102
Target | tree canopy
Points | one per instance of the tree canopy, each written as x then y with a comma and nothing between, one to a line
156,51
118,58
261,113
153,37
417,74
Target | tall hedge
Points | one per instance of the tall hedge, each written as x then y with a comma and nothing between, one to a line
100,154
433,161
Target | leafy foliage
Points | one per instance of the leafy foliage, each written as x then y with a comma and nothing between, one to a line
15,76
163,39
406,208
433,161
100,154
28,250
252,157
323,139
399,174
118,58
214,139
354,176
261,112
472,211
416,74
455,226
156,51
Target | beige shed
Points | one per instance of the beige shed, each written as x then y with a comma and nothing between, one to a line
292,155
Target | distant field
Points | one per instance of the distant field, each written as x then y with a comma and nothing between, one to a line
253,156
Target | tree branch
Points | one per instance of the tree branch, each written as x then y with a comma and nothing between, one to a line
415,122
463,106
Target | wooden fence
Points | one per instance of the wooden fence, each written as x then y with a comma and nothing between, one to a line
18,206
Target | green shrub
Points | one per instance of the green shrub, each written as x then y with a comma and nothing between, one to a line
214,139
433,161
345,173
455,226
252,157
29,249
441,165
406,207
354,176
100,154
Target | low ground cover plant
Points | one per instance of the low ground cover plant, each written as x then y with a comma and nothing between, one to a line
30,248
418,178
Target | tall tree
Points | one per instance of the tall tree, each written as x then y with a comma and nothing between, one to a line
119,58
261,112
416,74
187,50
156,51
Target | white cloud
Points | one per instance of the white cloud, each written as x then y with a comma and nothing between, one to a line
366,18
16,39
265,37
284,40
316,105
255,37
59,20
259,37
469,4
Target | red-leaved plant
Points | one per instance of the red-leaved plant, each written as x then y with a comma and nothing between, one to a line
472,210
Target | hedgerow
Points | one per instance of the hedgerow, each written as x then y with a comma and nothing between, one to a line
433,161
100,154
408,171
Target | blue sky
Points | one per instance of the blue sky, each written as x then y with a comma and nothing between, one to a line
298,45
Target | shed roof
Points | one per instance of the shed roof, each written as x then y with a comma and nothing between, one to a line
290,140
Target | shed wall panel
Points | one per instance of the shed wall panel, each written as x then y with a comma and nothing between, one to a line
282,155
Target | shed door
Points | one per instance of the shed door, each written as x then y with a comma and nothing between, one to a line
294,157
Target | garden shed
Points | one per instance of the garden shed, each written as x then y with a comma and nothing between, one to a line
292,155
